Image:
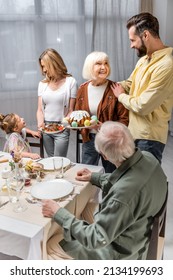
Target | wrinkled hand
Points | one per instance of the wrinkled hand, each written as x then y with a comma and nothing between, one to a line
83,175
117,89
96,126
49,207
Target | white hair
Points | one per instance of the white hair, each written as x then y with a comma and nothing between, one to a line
115,141
90,60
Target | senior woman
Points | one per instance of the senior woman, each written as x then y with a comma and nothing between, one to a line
96,97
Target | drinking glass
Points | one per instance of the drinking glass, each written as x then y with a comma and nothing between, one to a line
58,167
15,186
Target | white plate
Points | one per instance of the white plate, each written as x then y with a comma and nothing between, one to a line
53,189
53,132
48,162
4,154
80,127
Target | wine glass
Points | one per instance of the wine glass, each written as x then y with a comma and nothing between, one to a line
16,184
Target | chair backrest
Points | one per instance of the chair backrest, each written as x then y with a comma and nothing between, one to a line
36,142
156,245
78,142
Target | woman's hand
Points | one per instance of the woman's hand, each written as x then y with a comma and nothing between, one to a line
49,207
83,175
96,126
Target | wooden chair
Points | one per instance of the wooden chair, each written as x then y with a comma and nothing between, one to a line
156,245
78,143
36,142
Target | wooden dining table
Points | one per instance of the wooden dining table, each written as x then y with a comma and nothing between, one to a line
25,234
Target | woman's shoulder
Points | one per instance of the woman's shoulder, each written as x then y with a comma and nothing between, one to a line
42,86
110,81
71,80
84,84
43,82
71,83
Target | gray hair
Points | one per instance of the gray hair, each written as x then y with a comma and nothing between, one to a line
115,141
90,60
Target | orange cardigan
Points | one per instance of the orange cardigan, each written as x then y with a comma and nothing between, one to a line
109,109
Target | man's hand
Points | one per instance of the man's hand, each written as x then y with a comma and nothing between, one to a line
117,89
83,175
49,208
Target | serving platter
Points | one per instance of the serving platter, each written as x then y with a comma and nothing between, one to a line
49,129
80,127
54,189
53,132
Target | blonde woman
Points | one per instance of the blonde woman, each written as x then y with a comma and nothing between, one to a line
96,97
56,100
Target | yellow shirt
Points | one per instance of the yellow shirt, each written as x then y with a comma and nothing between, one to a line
150,98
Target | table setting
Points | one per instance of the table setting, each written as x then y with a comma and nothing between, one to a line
68,192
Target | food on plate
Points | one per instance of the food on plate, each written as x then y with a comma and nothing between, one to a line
87,123
53,127
32,166
94,120
78,118
74,124
81,118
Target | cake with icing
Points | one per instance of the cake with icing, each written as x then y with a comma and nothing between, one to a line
79,118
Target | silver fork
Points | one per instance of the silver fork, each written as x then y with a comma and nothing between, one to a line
32,201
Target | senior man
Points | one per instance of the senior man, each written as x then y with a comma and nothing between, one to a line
132,195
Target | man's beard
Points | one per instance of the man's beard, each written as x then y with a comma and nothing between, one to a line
142,50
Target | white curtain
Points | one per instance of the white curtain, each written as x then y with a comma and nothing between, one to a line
74,28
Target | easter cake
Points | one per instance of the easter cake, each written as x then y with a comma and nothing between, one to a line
79,118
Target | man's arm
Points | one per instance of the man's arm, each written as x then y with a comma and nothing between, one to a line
148,97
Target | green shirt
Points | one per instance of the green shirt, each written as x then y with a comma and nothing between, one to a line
150,98
132,195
